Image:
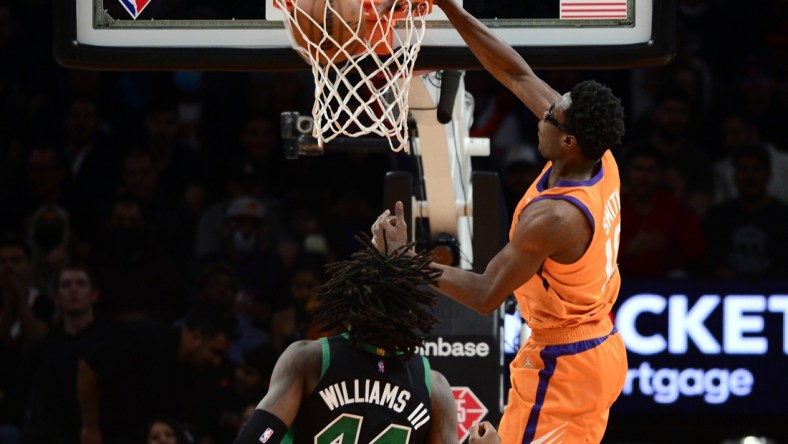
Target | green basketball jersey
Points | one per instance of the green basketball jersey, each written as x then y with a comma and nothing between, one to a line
367,397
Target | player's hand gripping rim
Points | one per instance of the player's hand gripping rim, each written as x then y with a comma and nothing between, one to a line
383,8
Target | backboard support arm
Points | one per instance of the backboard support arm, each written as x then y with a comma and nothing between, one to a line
445,151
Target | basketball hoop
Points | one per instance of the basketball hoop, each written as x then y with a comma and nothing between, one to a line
362,82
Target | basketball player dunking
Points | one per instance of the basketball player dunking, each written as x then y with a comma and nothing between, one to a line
561,259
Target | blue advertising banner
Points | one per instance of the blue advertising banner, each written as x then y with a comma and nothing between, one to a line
708,360
704,347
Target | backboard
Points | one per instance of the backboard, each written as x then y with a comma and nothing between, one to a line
246,35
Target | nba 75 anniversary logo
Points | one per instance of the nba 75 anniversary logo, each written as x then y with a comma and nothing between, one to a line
134,7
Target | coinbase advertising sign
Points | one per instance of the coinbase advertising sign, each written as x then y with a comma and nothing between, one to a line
698,346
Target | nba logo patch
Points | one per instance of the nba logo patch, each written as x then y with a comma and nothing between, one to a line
381,366
134,7
266,435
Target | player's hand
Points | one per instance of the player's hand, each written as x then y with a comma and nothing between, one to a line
14,292
390,232
386,6
383,7
484,433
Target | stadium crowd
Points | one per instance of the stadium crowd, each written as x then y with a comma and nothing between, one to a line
158,252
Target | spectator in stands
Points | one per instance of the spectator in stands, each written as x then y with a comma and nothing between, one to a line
247,384
93,166
147,369
661,236
217,289
351,186
740,132
51,244
25,312
761,91
246,247
687,171
164,431
44,183
687,73
136,277
46,171
306,275
24,316
74,298
260,142
245,178
692,79
293,319
747,235
306,222
181,169
171,221
50,370
140,180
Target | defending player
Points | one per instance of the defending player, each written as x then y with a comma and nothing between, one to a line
561,261
364,386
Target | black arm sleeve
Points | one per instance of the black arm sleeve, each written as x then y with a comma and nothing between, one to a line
262,427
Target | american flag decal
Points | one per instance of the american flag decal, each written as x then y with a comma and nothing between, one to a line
593,9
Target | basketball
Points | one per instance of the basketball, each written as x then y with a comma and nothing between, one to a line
341,20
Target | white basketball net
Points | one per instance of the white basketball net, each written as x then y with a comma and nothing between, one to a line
367,93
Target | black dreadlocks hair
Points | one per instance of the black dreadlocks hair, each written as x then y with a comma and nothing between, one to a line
597,118
380,299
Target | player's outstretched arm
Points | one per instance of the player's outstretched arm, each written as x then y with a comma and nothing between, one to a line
295,374
548,228
444,412
500,59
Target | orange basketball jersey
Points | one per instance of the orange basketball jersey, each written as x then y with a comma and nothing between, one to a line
568,302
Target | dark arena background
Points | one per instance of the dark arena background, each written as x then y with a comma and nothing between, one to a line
146,184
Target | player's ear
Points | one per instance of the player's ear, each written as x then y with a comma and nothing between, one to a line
569,142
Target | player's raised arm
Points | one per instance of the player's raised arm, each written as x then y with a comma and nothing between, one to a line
500,59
